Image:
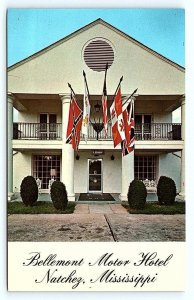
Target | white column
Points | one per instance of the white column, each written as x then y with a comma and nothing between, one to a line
9,145
127,174
67,172
182,193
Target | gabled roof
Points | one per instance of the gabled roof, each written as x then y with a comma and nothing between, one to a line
98,21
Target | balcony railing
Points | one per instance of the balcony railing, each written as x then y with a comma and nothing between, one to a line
37,131
52,131
153,131
158,131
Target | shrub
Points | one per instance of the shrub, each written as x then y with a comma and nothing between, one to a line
59,195
29,191
137,194
166,190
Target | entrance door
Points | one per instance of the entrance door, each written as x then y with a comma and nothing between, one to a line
95,175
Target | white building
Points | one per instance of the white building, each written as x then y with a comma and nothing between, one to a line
37,88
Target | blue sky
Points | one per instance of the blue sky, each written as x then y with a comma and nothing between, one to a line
30,30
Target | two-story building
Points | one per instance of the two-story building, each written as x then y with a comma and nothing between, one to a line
38,90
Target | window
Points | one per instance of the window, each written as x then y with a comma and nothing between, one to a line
48,126
145,167
143,127
46,167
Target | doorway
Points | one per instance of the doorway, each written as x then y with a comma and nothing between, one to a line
95,175
143,126
48,126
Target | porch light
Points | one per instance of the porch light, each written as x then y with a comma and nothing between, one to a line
97,107
77,157
112,157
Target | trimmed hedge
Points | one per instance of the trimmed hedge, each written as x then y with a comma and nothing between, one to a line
29,190
166,190
59,195
137,194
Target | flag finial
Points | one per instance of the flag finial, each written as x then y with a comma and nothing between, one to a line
135,91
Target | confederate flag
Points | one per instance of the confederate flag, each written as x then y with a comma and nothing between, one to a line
128,116
74,124
118,128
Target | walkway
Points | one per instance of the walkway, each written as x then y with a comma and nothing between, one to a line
100,209
97,222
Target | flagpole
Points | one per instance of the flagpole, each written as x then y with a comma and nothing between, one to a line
69,85
105,72
118,87
84,74
129,97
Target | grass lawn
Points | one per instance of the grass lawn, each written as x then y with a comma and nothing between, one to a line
41,207
154,208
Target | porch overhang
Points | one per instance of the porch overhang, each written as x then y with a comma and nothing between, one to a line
20,145
162,146
163,103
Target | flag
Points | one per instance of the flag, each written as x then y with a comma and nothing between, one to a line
128,117
104,105
118,128
74,124
86,111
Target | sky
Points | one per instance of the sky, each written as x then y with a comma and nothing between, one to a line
30,30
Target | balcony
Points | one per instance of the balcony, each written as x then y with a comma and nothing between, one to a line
37,131
53,131
153,131
158,131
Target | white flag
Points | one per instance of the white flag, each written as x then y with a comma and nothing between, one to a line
86,114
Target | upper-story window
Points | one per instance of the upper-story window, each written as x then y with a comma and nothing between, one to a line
143,126
143,119
48,126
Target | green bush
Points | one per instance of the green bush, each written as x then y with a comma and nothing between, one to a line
59,195
166,190
29,191
137,194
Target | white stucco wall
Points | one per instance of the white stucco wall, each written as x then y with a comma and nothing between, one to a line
170,165
111,172
162,118
36,107
21,168
49,71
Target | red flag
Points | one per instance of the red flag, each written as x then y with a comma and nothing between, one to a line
128,117
118,128
74,124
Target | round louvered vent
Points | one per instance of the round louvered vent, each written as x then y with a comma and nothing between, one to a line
97,54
